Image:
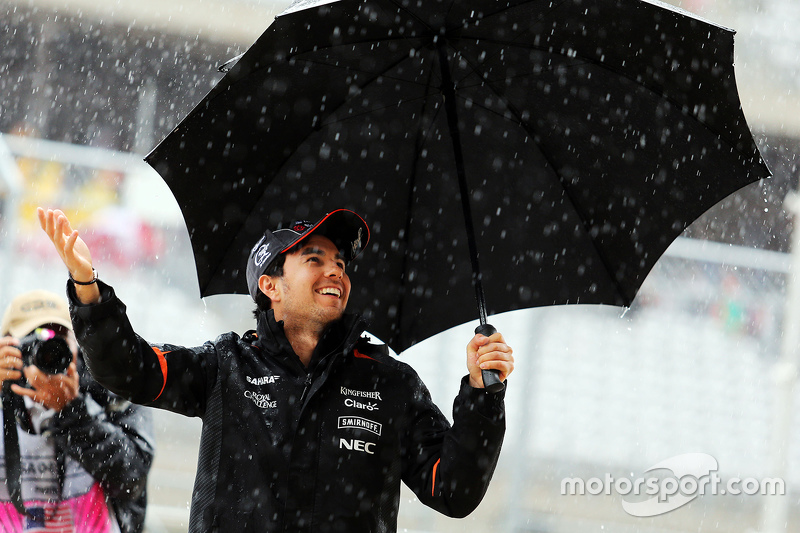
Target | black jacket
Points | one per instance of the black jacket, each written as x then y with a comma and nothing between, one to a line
115,446
285,448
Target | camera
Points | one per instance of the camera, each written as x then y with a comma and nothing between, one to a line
51,353
46,350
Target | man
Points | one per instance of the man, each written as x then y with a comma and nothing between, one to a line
307,426
82,455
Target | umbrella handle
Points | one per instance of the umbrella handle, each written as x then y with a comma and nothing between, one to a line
491,378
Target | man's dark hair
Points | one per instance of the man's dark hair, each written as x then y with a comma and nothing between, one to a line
275,270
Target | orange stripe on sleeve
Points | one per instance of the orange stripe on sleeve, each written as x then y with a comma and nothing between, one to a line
163,362
433,478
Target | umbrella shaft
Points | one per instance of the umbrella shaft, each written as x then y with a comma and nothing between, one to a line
449,95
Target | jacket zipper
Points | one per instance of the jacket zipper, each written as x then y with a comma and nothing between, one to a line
306,386
347,342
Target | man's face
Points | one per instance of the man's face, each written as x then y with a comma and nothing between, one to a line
314,287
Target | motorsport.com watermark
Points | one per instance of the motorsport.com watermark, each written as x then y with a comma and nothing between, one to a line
693,475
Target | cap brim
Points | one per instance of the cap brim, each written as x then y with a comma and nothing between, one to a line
342,227
25,327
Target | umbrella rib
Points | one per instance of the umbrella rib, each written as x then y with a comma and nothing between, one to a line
657,90
412,14
288,156
374,75
581,60
539,18
571,198
554,6
420,141
573,201
401,38
371,110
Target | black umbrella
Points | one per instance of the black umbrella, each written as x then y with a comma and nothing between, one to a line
560,145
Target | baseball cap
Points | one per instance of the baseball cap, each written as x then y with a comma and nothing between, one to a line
32,309
343,227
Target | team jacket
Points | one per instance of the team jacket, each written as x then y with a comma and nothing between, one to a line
285,448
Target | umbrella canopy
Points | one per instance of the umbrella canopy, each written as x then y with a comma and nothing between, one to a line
575,139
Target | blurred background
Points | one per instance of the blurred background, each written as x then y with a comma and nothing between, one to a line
697,364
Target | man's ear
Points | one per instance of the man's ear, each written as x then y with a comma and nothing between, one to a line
269,286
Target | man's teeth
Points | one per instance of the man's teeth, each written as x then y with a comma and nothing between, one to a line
331,290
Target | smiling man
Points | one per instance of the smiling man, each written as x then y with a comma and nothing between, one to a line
307,425
312,292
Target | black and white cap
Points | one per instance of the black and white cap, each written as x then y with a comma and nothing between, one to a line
343,227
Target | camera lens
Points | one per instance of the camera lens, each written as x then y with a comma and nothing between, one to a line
45,349
53,356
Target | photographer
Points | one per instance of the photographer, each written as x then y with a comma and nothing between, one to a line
79,456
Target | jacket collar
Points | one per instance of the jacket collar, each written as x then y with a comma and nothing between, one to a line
340,336
271,337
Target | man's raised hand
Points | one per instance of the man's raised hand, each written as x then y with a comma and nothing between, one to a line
72,250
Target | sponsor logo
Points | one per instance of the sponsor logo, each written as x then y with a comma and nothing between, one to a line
369,406
256,245
375,395
264,380
357,445
359,423
300,227
261,400
262,255
356,245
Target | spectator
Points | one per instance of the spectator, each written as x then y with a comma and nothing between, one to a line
83,453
